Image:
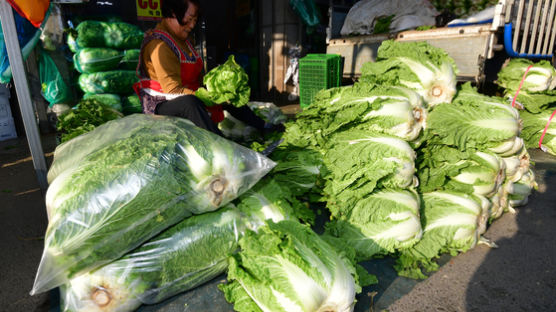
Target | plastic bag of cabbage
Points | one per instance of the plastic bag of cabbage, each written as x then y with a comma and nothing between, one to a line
428,70
180,258
128,180
288,267
184,256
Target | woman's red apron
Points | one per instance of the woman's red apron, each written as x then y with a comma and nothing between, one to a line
150,92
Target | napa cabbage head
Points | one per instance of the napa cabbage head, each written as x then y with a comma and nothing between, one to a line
358,162
416,65
441,167
540,77
533,128
380,223
385,109
534,102
452,222
287,267
473,124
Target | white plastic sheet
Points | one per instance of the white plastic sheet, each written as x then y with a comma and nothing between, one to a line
408,14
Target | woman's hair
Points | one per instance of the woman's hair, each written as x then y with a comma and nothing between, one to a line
177,8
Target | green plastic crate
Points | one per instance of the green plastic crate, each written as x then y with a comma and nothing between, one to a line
318,72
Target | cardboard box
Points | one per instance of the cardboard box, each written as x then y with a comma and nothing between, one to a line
7,129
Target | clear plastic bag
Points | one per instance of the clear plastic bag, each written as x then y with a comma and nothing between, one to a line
52,31
117,186
183,257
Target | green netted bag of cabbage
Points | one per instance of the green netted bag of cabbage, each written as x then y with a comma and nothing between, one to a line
91,60
112,81
130,59
97,34
117,186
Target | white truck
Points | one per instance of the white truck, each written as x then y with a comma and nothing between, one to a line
520,28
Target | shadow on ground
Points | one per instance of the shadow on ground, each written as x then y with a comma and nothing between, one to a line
521,274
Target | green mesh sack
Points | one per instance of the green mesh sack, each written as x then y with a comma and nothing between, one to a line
130,59
114,81
92,60
113,101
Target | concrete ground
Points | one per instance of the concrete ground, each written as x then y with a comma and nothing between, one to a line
22,225
520,275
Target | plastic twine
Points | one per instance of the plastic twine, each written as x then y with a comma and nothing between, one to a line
544,132
521,85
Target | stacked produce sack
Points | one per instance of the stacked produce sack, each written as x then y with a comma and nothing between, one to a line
106,54
125,182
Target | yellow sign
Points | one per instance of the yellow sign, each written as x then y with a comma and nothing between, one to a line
148,10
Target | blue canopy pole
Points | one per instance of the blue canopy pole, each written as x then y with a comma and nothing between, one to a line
22,90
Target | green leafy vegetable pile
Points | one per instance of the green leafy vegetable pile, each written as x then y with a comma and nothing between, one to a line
406,165
89,114
106,55
536,97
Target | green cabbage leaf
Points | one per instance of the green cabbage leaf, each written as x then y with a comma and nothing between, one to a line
452,222
288,267
380,223
226,83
